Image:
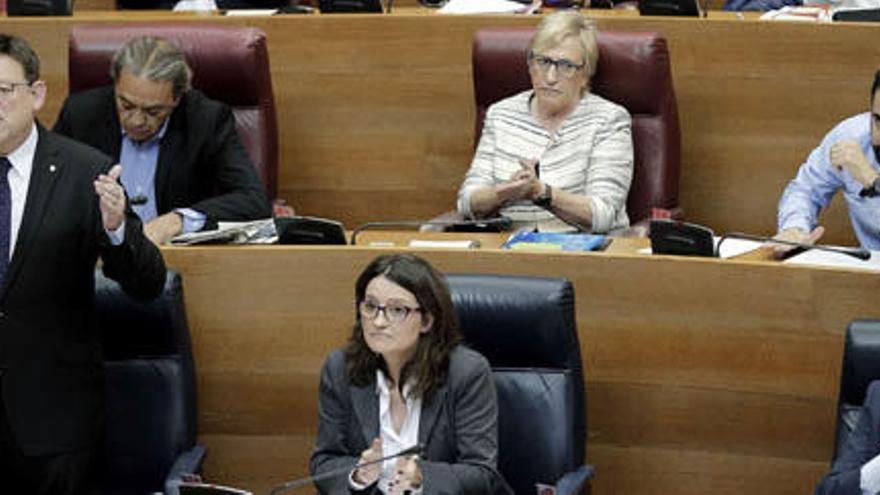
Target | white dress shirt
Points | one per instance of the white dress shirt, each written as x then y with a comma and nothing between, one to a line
869,481
393,442
22,161
19,177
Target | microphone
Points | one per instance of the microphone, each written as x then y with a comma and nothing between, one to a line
860,253
138,199
414,450
499,223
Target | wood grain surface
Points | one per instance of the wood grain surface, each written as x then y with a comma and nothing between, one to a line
703,376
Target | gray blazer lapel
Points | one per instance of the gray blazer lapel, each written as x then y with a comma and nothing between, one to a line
366,408
430,412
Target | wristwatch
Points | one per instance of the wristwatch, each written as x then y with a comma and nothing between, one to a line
546,199
872,190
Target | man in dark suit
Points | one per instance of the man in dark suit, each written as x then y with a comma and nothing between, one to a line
856,471
60,208
184,166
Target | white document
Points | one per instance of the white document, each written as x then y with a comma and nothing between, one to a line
482,7
195,6
463,244
256,232
251,12
729,249
798,14
835,260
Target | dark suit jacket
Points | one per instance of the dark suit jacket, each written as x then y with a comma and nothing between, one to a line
202,163
457,427
51,368
862,445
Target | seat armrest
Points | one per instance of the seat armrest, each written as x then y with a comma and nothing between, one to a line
573,482
189,462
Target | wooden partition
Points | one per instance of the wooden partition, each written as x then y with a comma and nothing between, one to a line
376,111
703,376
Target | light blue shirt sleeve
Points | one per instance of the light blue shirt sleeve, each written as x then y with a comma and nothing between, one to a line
817,182
117,236
193,220
869,481
813,187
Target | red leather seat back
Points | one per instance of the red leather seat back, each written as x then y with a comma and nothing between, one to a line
229,63
633,71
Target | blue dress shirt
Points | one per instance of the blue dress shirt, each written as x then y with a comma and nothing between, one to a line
139,162
817,181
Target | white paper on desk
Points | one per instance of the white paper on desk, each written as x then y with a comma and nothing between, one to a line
729,249
797,14
251,12
835,260
195,6
453,244
482,7
255,232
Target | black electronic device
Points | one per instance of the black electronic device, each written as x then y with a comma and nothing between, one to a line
296,9
681,238
669,7
309,230
38,7
495,224
857,15
350,6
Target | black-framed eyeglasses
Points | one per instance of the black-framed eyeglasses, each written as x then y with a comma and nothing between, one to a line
563,66
394,313
7,89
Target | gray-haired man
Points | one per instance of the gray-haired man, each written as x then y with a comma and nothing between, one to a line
184,166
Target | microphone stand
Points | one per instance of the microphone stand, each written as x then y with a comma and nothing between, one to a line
859,253
414,450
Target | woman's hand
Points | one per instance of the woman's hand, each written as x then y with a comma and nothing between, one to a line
368,475
407,476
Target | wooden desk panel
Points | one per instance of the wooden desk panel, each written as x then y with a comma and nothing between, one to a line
703,376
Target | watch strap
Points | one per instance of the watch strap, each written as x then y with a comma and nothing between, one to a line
872,190
545,200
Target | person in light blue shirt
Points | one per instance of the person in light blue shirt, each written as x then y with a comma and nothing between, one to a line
847,160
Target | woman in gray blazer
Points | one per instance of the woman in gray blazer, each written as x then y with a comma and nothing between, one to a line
404,379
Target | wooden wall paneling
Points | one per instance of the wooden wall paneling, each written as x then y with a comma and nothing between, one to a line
703,376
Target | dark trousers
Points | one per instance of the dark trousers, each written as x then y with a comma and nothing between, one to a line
56,474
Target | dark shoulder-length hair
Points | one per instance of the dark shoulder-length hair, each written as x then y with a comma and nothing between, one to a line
430,363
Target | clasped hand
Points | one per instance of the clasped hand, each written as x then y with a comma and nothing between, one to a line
407,474
523,184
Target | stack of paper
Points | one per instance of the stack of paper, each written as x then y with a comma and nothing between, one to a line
482,7
256,232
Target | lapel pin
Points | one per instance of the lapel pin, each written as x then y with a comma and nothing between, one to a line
52,168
